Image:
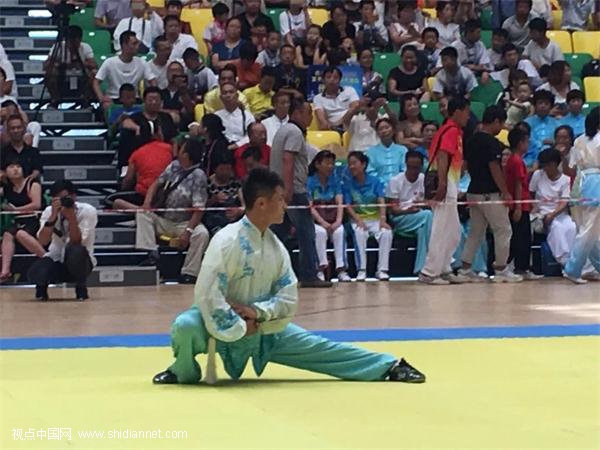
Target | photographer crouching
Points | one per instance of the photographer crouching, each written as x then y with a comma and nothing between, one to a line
69,227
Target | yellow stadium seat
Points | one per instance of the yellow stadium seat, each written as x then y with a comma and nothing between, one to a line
591,86
322,138
563,39
587,42
503,137
431,12
318,16
314,125
430,82
346,139
556,19
198,19
198,112
156,3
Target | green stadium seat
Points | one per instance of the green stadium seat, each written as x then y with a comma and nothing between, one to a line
274,13
478,108
587,107
486,19
99,40
488,94
83,18
384,62
486,38
577,81
577,61
430,111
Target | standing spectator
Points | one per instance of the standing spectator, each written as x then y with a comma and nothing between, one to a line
472,54
17,150
311,51
542,125
453,80
325,191
403,191
249,17
540,50
180,41
408,77
109,13
289,158
448,31
517,182
338,27
281,105
260,97
145,24
269,57
120,69
290,78
483,154
257,138
69,227
214,33
446,156
499,40
158,65
576,13
248,68
369,31
559,84
228,51
294,22
235,118
386,159
332,106
363,189
518,25
574,118
212,99
200,78
185,227
405,31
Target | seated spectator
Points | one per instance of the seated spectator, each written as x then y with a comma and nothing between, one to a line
76,57
16,149
324,189
144,23
563,142
212,99
228,51
257,138
311,51
69,227
200,78
215,143
369,31
294,23
281,105
372,82
472,54
333,104
235,119
338,27
431,50
518,25
289,78
248,69
177,98
8,82
252,157
224,191
158,64
174,8
410,124
124,108
139,128
269,56
361,120
428,131
576,13
540,50
184,227
248,18
363,189
120,69
405,31
512,62
574,117
23,196
559,84
499,40
108,13
259,34
552,217
448,30
543,9
33,129
260,96
453,80
386,159
180,41
352,10
408,78
542,125
214,33
521,107
465,11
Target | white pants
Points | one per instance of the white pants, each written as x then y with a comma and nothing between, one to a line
148,225
339,249
445,235
384,239
561,237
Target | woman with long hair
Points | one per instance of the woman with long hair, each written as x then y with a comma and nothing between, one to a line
228,51
372,82
410,125
23,196
585,156
312,51
339,27
560,84
212,129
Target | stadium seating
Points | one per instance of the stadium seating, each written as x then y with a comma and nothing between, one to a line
488,94
503,137
587,42
383,63
198,19
322,138
592,89
486,38
588,106
99,40
478,108
430,111
562,38
318,16
274,14
198,112
83,18
577,61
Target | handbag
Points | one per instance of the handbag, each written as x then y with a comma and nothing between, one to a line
163,190
431,175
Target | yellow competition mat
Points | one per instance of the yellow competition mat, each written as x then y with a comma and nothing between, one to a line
480,394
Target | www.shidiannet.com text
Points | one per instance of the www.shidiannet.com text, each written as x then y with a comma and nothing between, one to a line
67,434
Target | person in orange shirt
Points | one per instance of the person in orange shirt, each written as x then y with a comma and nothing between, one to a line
248,68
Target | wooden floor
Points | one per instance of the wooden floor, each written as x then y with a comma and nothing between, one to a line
405,304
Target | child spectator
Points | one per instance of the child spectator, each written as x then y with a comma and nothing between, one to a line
520,108
472,54
453,80
540,50
248,68
259,97
294,23
542,125
214,32
574,118
200,78
269,57
431,49
312,51
499,40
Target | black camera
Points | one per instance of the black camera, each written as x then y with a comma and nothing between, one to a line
67,202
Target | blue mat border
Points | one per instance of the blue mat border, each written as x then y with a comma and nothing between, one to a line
368,335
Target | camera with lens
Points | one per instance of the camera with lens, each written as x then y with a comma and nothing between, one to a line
67,202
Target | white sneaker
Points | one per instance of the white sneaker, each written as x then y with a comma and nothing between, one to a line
382,275
361,275
573,279
343,277
528,275
591,276
321,275
470,276
436,281
455,279
507,276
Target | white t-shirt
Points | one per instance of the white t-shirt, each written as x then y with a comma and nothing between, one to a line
336,107
85,52
407,193
116,72
272,124
403,32
362,134
10,75
545,188
160,73
557,97
524,65
448,33
290,22
541,56
235,125
184,42
146,30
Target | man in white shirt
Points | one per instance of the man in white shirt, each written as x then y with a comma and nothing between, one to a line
235,120
472,54
109,13
158,64
334,104
281,104
510,57
123,68
541,51
294,22
180,41
69,227
145,23
518,25
403,191
10,83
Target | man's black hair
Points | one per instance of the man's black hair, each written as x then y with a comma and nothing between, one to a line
260,183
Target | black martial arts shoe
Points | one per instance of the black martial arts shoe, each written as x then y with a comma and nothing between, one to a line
316,284
152,259
81,293
187,279
166,377
404,372
41,293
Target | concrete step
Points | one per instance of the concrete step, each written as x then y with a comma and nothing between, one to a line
94,200
28,68
30,23
74,144
28,3
116,236
12,8
88,157
80,173
59,116
20,44
123,276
